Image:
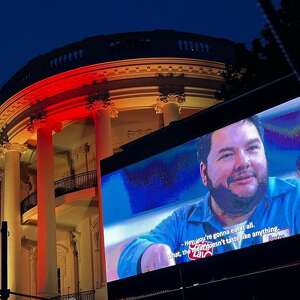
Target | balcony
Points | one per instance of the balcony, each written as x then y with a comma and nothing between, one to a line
74,194
86,295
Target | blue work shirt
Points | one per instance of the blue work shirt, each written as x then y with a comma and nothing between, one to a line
194,231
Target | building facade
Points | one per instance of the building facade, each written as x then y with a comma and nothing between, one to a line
66,110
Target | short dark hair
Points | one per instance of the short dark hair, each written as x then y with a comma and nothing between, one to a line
204,142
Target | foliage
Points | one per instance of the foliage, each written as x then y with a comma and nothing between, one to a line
264,61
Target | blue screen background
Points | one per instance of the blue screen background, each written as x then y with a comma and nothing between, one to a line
173,176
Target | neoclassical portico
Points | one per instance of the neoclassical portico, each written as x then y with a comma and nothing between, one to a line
169,106
46,225
43,129
11,208
69,122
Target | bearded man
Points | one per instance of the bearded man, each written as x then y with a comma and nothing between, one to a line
243,206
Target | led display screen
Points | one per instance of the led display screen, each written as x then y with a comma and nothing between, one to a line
232,188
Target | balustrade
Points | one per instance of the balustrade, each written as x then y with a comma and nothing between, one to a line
64,186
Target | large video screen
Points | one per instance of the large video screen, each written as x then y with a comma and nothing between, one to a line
235,187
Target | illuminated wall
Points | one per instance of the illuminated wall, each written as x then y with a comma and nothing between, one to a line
64,91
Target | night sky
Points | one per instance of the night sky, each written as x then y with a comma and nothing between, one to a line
33,27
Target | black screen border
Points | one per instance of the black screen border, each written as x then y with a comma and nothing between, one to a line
184,277
208,120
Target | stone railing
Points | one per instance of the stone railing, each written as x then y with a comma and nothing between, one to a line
64,186
157,43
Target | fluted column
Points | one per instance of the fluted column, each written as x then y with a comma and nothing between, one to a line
46,225
170,113
103,134
169,106
102,111
12,212
103,140
2,191
33,269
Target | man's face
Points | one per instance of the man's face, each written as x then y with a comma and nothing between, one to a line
236,162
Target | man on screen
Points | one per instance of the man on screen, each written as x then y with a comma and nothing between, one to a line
298,166
243,205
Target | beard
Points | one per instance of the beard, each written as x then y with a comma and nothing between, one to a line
232,204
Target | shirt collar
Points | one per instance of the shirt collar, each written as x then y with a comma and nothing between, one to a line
202,211
278,187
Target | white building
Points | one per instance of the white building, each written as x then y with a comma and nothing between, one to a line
66,110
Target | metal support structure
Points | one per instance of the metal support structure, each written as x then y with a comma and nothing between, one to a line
4,288
270,15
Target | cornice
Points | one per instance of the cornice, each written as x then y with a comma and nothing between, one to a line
132,84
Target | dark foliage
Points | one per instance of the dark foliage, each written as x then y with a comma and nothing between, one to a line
265,61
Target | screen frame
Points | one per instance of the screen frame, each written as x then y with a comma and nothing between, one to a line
177,133
215,117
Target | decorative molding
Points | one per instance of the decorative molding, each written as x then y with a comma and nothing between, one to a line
175,98
171,89
98,96
114,113
134,134
101,100
179,99
7,147
3,135
41,120
80,82
31,246
108,106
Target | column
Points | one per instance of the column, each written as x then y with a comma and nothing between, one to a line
12,213
2,190
46,225
169,106
103,139
33,269
86,275
74,237
170,113
103,133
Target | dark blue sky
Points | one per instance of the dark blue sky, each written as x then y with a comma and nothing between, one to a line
33,27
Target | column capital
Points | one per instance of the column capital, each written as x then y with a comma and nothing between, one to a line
41,120
162,100
30,245
8,147
3,134
75,236
109,106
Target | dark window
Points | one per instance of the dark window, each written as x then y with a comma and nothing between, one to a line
186,45
192,46
180,45
58,281
207,48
